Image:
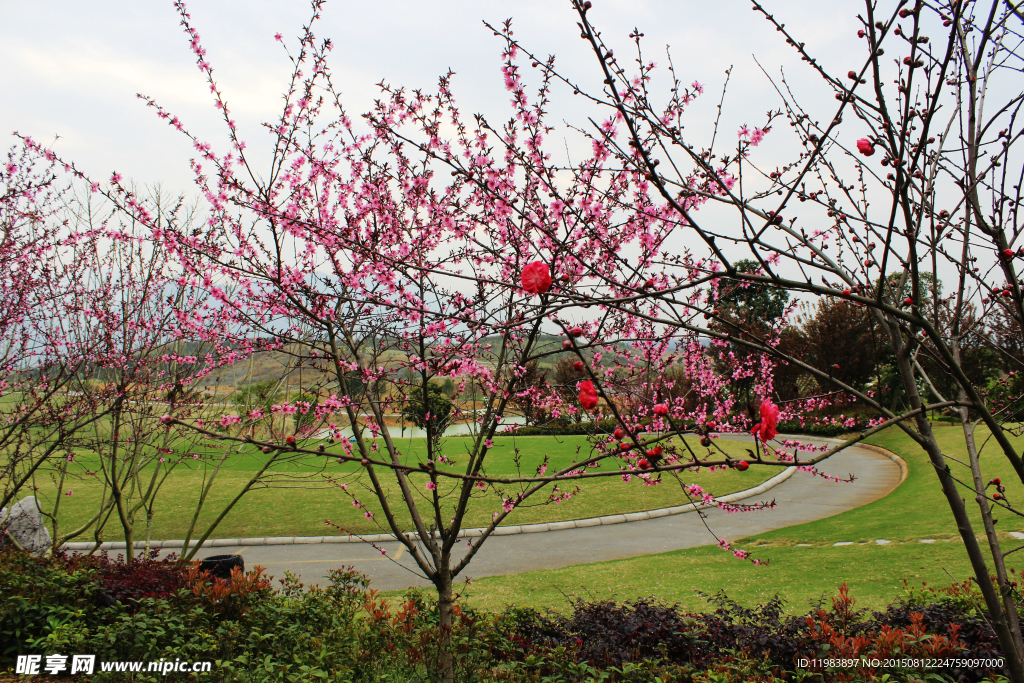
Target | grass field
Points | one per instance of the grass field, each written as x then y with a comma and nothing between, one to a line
915,510
299,498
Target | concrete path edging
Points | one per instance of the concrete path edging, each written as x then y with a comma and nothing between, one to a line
801,499
889,454
470,533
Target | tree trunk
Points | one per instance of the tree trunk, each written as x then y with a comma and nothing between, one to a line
445,660
1005,589
997,615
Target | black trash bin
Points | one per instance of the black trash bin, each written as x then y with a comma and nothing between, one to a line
220,566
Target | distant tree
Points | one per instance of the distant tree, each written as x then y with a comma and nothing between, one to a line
566,375
262,395
787,376
761,303
354,384
978,342
527,390
306,404
675,385
839,336
433,414
749,313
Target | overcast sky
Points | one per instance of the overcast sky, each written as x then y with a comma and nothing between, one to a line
72,69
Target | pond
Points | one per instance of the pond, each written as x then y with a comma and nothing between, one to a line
411,432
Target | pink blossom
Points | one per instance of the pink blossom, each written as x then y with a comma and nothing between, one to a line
431,486
765,430
588,395
865,147
536,278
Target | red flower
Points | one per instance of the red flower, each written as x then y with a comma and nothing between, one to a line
588,395
865,147
661,409
536,278
742,465
643,464
765,430
578,366
618,433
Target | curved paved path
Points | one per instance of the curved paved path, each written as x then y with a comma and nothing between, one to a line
801,498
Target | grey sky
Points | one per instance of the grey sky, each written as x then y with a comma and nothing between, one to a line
72,69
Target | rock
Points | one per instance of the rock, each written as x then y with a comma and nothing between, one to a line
26,525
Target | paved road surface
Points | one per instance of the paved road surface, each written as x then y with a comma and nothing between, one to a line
801,498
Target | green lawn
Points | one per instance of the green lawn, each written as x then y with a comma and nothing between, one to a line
915,510
299,498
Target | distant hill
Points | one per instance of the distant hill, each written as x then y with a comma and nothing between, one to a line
268,365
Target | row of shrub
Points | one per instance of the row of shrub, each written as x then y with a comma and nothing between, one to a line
826,430
609,426
580,429
345,632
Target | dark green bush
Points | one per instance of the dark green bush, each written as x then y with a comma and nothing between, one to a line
341,632
41,598
345,632
581,429
826,430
